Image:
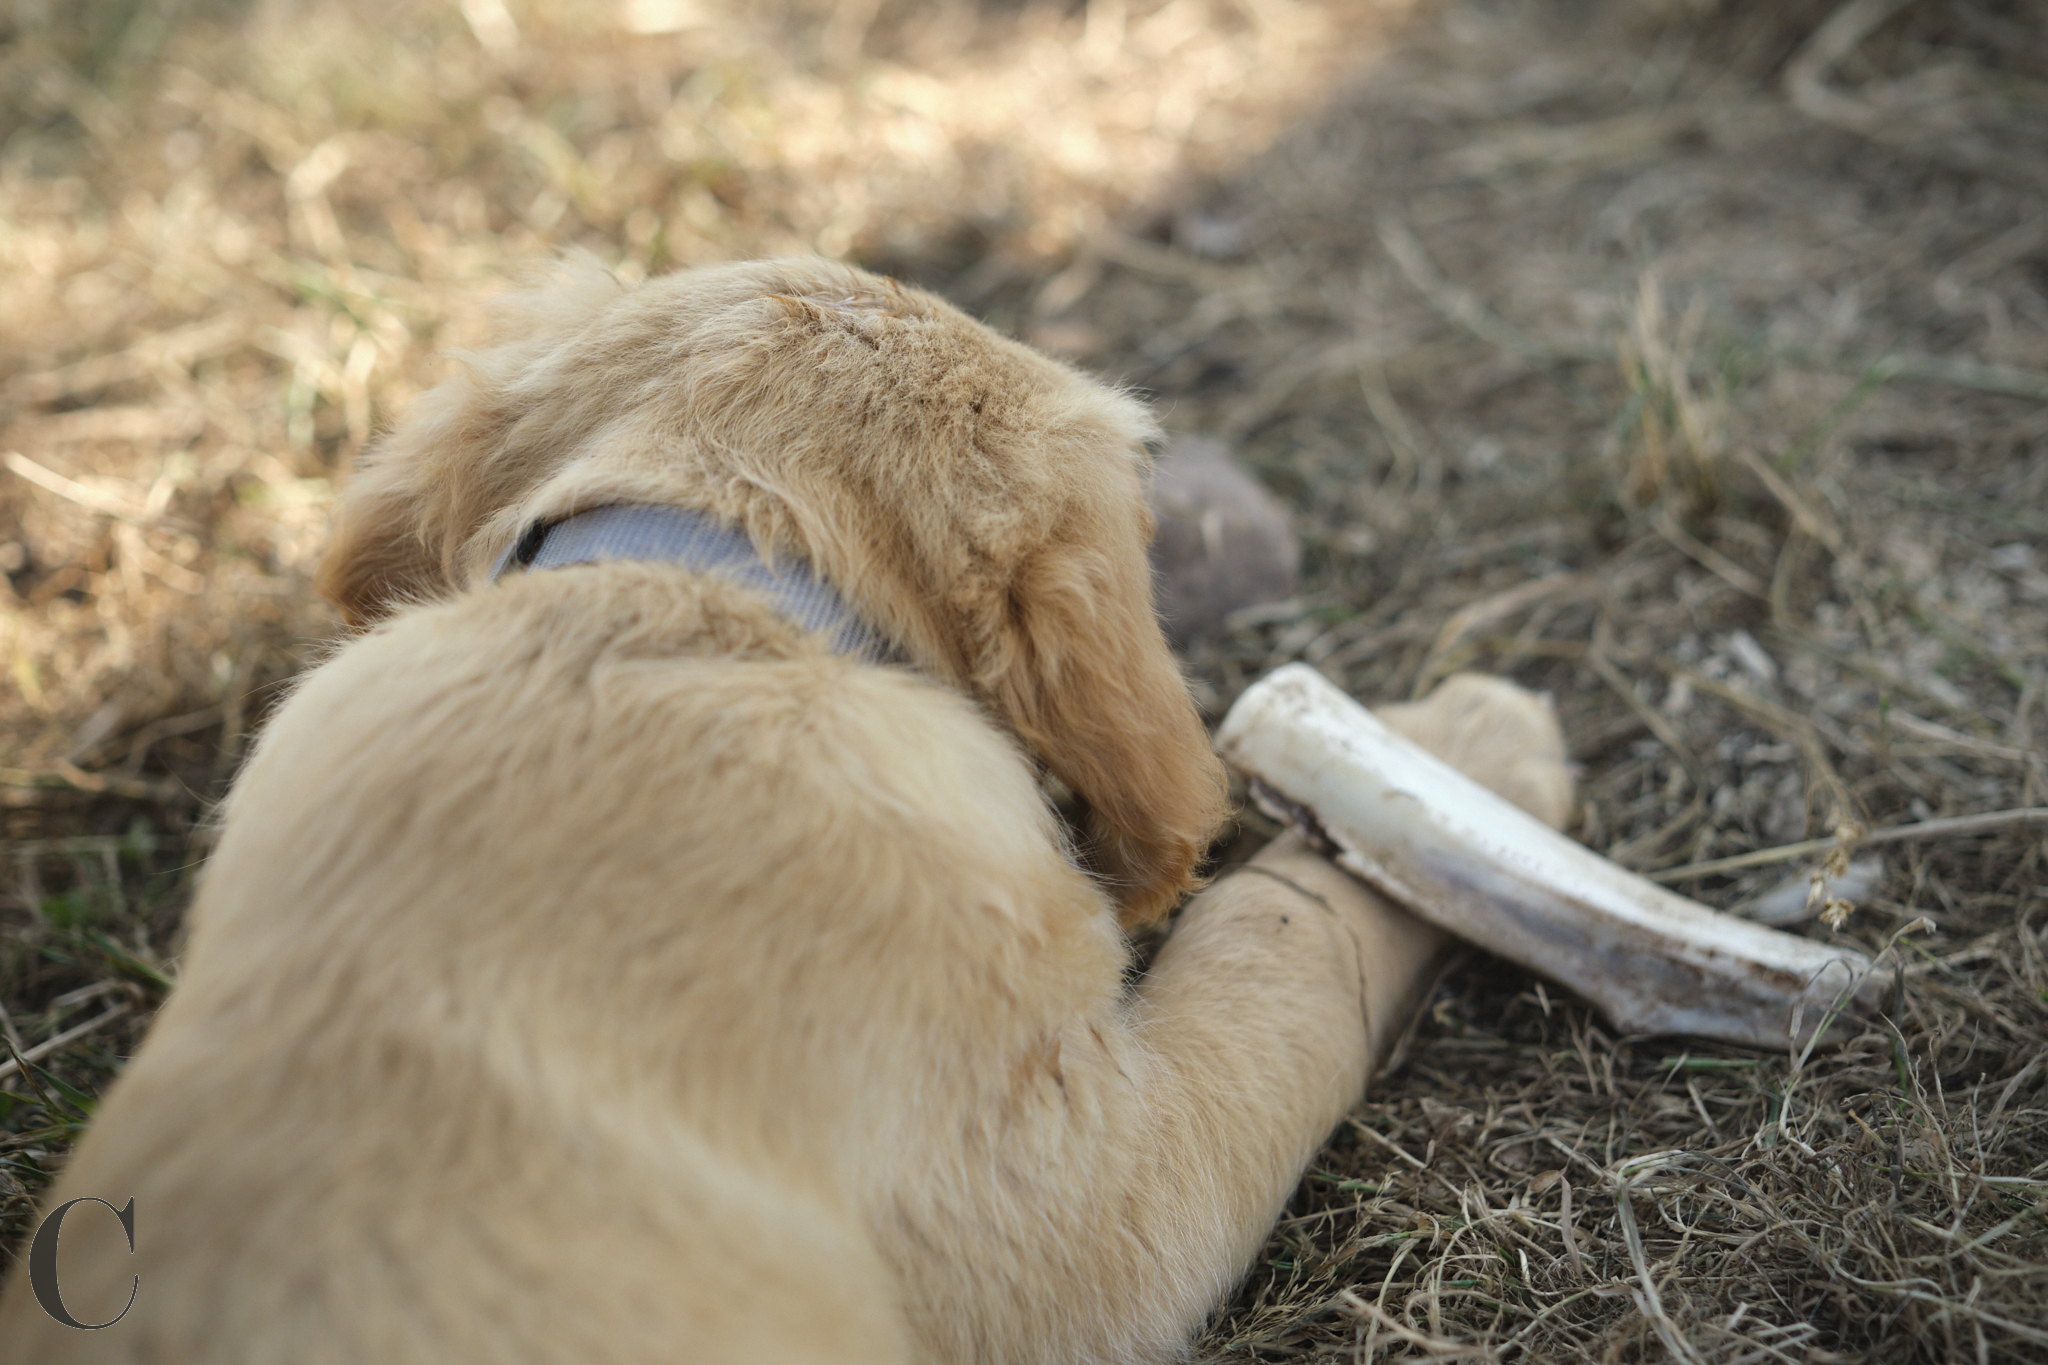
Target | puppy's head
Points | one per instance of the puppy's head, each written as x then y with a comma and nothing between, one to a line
979,503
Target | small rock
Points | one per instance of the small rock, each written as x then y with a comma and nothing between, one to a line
1751,656
1224,543
1790,901
1211,234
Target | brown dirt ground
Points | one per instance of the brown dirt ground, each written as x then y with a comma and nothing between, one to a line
1686,359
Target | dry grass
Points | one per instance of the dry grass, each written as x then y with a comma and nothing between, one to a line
1689,360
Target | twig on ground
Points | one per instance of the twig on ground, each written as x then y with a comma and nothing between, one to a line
1464,307
65,775
64,1039
51,481
1806,75
1951,827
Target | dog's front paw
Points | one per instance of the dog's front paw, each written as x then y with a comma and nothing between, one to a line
1501,736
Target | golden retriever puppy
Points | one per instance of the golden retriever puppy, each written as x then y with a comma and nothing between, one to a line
596,966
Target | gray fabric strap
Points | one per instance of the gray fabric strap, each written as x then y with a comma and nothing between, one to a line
693,540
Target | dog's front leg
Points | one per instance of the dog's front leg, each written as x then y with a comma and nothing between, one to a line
1126,1170
1116,1176
1288,982
1283,988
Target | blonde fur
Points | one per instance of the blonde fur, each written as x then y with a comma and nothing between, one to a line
592,967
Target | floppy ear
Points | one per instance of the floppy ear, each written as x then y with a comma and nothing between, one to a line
376,558
470,446
398,520
1084,675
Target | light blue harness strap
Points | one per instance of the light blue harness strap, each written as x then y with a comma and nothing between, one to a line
693,540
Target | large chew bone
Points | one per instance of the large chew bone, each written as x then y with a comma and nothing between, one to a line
1467,860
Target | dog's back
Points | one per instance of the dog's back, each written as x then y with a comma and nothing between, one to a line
491,1047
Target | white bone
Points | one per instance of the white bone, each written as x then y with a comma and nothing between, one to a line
1467,860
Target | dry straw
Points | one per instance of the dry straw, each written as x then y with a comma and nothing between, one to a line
1685,359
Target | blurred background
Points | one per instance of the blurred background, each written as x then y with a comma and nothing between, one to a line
1687,359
